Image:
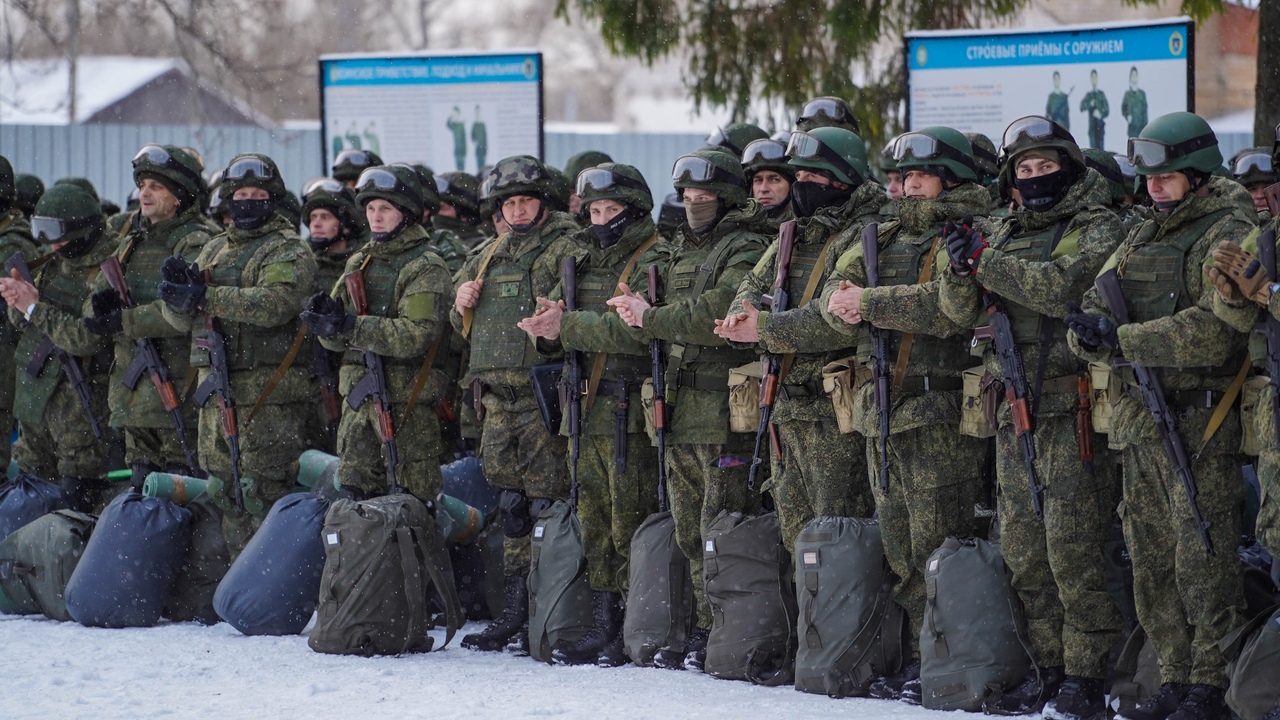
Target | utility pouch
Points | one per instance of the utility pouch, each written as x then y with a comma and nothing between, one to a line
646,402
974,421
840,383
1106,391
545,381
744,397
1250,396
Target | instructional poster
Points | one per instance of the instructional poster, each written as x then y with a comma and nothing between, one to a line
451,112
1103,83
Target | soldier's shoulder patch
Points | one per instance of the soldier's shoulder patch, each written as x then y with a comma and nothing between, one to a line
420,306
278,272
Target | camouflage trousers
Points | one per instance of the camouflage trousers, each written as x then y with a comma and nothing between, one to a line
362,457
934,483
518,453
823,473
1059,564
1186,600
703,480
269,448
158,447
1268,467
63,445
612,504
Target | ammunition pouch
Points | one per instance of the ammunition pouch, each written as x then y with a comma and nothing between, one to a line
647,396
976,410
1251,407
1106,391
840,381
544,380
744,397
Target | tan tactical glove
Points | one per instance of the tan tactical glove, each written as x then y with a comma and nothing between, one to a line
1226,289
1244,271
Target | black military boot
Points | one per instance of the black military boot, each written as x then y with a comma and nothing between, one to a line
81,493
671,657
606,622
696,650
507,625
1203,702
889,687
614,654
1163,703
1030,695
1079,698
519,643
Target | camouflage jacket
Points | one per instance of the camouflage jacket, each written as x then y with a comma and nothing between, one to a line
1089,233
1195,349
912,308
15,236
448,246
469,235
330,267
801,329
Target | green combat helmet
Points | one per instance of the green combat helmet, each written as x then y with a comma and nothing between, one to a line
462,191
1177,141
8,191
1104,163
426,181
735,138
1253,166
351,162
173,168
68,214
1038,136
290,208
337,198
832,151
27,190
767,154
614,181
252,170
714,170
984,154
936,150
583,160
397,184
84,184
827,111
560,190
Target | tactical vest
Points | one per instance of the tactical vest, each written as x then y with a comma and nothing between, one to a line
506,298
595,287
684,281
380,277
901,263
64,289
248,346
145,257
1034,247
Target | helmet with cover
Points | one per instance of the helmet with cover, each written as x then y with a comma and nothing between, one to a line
462,191
713,170
937,150
8,190
834,152
351,162
583,160
172,167
1035,136
397,184
84,184
518,175
984,155
252,170
1104,163
615,181
734,138
27,190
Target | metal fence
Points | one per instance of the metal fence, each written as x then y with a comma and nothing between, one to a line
102,153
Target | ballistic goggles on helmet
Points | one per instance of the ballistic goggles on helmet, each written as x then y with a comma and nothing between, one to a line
156,155
1150,154
442,184
602,179
832,108
1252,162
927,147
1032,127
807,147
765,150
354,158
1126,167
323,184
720,138
981,153
52,230
515,171
380,178
701,170
245,167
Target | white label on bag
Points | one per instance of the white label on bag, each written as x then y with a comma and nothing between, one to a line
332,538
711,546
810,557
538,531
933,565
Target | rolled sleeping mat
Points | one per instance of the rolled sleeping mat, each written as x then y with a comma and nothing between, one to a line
26,498
180,489
318,470
460,522
130,563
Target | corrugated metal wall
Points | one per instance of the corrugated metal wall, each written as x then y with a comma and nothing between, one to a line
102,152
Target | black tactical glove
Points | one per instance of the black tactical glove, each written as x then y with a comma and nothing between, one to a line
327,317
964,246
107,320
1094,331
182,288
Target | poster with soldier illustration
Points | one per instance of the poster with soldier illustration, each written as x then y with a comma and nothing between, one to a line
1102,82
453,112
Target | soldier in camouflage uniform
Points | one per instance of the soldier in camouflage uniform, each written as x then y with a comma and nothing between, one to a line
169,223
494,291
618,464
27,191
1118,201
892,180
55,434
408,289
722,238
766,168
349,163
572,168
1039,260
459,208
444,243
1254,168
827,111
15,236
258,273
822,472
671,217
734,138
1186,600
935,473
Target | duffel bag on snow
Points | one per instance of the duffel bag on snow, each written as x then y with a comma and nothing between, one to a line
381,557
850,628
25,498
559,595
130,563
274,585
204,566
660,601
37,560
1137,674
971,646
1253,664
753,603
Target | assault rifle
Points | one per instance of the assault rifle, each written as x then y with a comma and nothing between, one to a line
70,366
324,367
572,380
373,386
219,383
146,358
880,371
658,373
1175,450
777,301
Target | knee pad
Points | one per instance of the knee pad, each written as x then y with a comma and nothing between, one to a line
513,507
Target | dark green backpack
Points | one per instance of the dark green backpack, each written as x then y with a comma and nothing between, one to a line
971,641
381,558
753,603
660,600
1137,674
850,628
37,560
207,561
559,594
1253,663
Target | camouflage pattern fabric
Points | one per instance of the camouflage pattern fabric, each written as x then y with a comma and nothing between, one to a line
451,249
469,235
611,505
63,445
15,236
159,447
823,473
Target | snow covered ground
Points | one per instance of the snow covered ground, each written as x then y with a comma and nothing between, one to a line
66,671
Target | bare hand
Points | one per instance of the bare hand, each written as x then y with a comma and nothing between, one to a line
741,327
629,305
18,293
545,323
468,295
846,303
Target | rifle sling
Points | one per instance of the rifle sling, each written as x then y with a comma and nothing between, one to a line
810,288
1224,405
904,350
420,379
597,366
469,314
278,375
